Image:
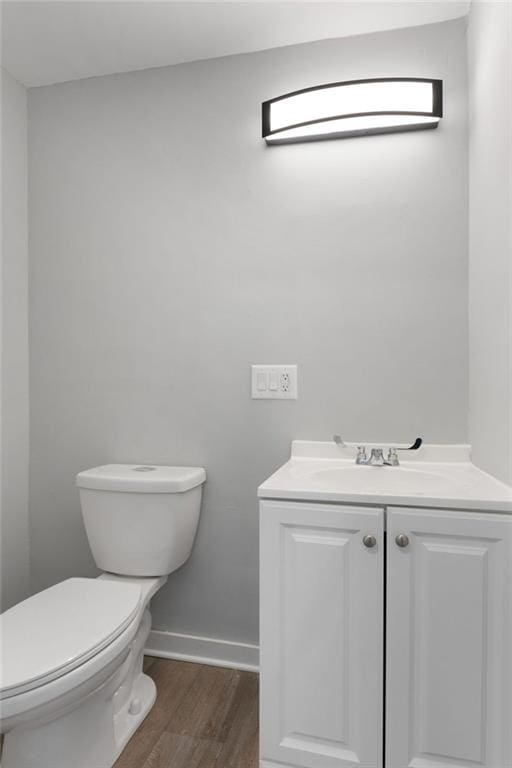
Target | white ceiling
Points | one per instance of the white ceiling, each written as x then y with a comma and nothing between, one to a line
49,42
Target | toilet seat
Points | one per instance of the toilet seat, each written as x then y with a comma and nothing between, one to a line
57,630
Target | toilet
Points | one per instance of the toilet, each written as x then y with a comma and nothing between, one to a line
72,689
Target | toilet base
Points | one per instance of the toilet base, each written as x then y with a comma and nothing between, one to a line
134,711
92,733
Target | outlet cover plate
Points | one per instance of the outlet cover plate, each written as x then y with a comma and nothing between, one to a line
274,382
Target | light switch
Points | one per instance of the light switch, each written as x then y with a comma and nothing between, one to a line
261,381
274,382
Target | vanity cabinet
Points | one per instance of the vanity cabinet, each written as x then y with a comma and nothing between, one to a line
321,635
385,655
449,640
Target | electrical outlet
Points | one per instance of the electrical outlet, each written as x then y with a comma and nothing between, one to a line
274,382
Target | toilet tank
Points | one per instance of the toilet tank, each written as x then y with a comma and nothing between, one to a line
140,520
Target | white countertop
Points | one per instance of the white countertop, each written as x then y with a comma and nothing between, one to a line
433,476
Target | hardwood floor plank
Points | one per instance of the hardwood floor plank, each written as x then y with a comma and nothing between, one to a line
173,680
204,709
203,717
240,749
138,748
182,751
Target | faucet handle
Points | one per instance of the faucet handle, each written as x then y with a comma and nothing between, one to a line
392,458
361,457
414,447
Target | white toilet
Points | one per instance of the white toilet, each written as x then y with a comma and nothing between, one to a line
72,690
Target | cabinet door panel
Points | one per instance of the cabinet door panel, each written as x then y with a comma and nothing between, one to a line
448,676
321,635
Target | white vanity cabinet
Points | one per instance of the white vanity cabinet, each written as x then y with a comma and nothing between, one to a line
321,635
385,655
449,640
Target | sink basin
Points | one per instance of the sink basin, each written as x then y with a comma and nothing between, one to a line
440,476
380,480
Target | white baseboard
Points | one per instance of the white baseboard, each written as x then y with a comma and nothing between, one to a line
203,650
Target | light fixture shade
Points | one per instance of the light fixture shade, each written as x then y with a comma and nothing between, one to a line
353,108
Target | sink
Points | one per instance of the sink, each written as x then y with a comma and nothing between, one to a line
438,476
380,479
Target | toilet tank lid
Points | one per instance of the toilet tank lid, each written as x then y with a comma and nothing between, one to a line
141,478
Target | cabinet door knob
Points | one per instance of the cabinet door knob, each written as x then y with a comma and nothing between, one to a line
369,540
402,540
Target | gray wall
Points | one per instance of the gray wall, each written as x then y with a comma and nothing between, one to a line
490,236
14,571
170,248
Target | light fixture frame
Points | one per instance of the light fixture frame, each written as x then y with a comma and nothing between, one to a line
437,111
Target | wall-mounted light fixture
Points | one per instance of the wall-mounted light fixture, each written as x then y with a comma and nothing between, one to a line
353,108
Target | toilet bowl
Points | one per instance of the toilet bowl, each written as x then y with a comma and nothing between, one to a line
72,690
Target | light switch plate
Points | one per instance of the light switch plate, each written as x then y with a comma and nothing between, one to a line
274,382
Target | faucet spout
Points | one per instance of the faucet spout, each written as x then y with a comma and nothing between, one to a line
376,458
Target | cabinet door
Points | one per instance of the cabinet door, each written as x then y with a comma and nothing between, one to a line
449,640
321,635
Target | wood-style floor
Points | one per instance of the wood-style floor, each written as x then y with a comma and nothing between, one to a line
203,717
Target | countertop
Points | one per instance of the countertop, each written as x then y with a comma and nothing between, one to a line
440,476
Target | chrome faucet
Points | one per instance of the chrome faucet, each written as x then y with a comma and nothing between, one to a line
361,457
376,458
